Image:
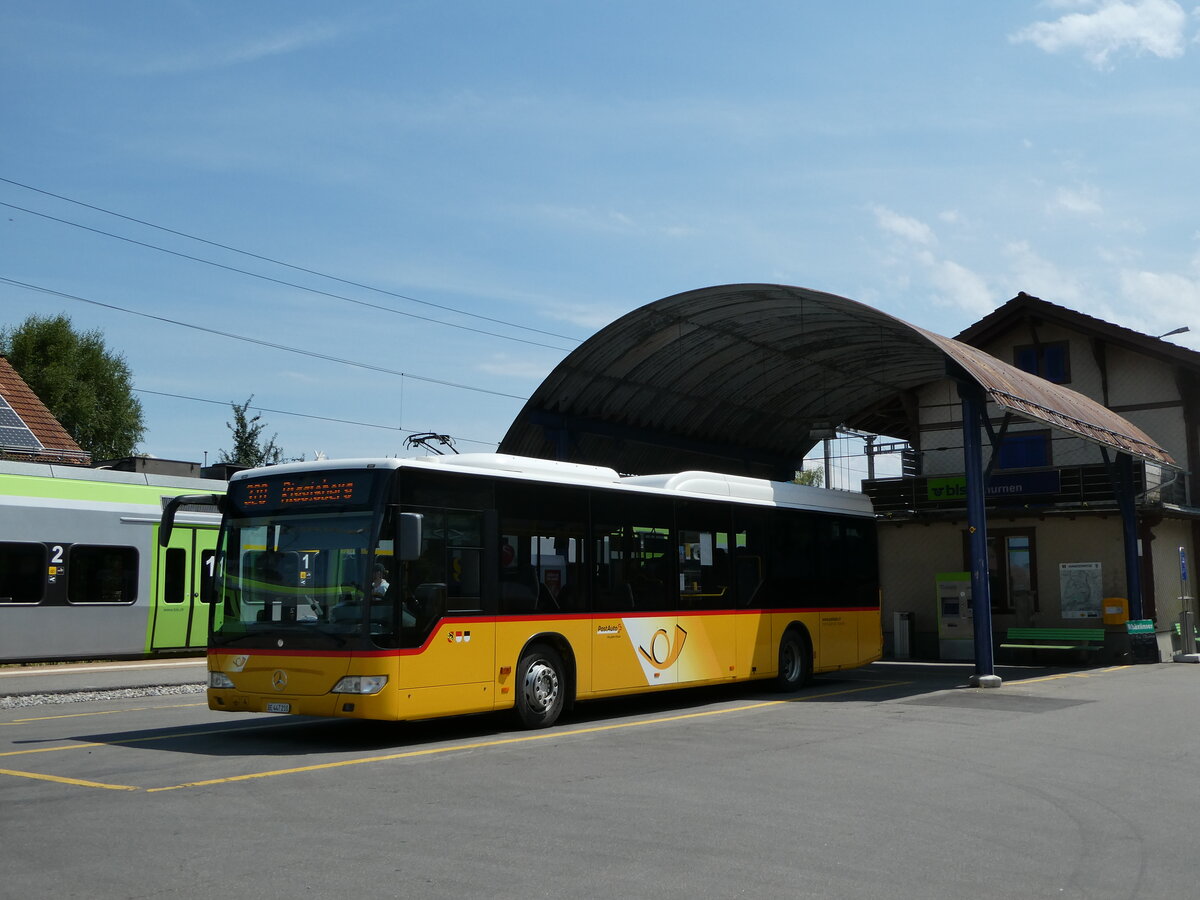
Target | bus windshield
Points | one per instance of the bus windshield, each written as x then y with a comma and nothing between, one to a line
301,580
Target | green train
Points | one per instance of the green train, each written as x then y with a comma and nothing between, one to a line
81,573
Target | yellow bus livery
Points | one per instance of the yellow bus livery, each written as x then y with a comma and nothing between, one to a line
409,589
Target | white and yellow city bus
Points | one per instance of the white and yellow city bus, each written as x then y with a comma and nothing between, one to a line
413,588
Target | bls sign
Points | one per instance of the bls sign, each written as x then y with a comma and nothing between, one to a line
663,650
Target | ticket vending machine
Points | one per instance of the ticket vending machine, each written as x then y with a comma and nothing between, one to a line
956,620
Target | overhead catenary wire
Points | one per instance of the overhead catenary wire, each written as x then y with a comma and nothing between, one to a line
282,282
284,412
269,259
250,340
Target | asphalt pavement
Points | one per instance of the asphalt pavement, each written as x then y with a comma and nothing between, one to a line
892,781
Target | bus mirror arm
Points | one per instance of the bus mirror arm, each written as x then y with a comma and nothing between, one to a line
168,516
410,536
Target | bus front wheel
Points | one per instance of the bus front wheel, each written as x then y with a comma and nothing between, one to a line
794,662
541,687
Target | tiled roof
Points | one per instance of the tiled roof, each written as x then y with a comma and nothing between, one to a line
58,445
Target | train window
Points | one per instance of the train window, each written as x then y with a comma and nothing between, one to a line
102,574
175,576
22,573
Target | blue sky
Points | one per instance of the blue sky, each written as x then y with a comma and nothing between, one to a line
553,165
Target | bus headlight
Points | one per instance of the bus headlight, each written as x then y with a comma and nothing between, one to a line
360,684
219,680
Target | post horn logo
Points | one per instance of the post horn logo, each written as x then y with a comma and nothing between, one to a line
663,651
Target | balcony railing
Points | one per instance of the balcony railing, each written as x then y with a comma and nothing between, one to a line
1068,488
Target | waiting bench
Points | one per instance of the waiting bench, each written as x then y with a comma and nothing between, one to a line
1081,640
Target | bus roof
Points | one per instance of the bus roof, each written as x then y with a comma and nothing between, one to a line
707,485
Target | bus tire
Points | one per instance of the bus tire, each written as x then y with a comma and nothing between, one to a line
541,687
795,664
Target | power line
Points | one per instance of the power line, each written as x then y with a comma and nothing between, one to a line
274,261
280,281
249,340
284,412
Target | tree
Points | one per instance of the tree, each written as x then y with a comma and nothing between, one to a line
248,447
86,386
813,477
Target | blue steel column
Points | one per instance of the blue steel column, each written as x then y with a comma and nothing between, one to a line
1128,506
973,410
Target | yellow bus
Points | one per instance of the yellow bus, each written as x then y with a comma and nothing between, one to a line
412,588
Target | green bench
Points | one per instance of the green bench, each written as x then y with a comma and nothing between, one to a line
1195,631
1031,639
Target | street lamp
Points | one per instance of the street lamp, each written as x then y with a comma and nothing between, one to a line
1180,330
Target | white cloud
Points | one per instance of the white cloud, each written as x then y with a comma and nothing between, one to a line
1142,26
1035,275
1083,200
1165,301
515,367
903,226
247,51
952,283
958,286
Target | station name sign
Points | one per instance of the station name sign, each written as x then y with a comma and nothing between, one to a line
1008,484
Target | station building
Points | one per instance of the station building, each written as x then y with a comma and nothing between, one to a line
1055,541
1090,436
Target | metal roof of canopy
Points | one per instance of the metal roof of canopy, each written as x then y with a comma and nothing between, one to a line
737,378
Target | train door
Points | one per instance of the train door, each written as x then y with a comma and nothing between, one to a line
183,588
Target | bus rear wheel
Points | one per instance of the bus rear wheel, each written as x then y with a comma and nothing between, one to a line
541,687
795,665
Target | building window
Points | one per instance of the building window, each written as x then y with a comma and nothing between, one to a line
1051,361
1012,570
1024,450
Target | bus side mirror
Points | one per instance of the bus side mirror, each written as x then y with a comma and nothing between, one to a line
167,524
410,536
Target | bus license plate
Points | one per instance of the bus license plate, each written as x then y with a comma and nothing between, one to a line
279,707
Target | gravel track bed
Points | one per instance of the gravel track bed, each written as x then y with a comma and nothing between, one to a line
23,700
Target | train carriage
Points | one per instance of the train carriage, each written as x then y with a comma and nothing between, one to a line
82,574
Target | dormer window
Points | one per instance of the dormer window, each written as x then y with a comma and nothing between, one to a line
1051,361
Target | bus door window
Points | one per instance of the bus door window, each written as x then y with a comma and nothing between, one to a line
749,540
799,560
540,560
464,562
447,578
704,556
635,554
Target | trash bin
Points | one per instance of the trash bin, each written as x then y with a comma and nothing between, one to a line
902,635
1116,611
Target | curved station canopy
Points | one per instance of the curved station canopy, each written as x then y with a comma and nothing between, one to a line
747,378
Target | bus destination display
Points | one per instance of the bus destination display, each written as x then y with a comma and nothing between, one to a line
283,492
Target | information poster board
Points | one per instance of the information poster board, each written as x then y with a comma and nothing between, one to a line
1080,589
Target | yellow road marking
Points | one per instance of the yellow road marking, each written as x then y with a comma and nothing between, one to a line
147,740
107,712
525,738
408,754
75,781
1071,675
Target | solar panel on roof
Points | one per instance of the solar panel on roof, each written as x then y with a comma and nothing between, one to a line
14,433
19,439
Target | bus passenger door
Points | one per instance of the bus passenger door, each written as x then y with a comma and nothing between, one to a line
182,589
